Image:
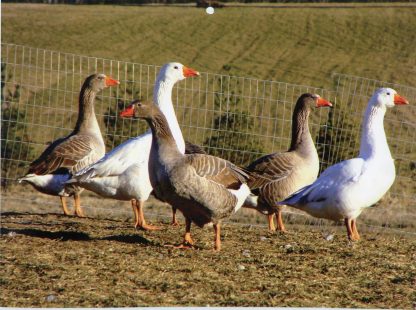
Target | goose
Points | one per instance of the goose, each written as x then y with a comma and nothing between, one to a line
205,188
345,189
122,173
275,176
65,156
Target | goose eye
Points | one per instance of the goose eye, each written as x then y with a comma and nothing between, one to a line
175,67
388,94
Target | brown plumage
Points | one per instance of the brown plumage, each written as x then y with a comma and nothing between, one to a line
82,147
274,177
199,185
190,148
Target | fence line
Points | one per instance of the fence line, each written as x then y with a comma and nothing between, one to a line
238,118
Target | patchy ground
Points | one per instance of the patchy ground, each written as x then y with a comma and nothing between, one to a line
50,260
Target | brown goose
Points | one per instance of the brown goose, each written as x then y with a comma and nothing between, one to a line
274,177
68,155
206,189
190,148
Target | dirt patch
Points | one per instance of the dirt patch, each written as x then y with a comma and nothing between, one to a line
50,260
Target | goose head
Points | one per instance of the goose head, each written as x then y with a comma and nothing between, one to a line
139,109
309,101
387,97
175,71
99,81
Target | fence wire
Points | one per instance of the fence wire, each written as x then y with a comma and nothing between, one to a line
238,118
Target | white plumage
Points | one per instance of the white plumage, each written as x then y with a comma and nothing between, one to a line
343,190
122,173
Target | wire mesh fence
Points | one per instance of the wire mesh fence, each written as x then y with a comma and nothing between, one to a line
237,118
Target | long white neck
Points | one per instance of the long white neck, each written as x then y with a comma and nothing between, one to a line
373,138
162,95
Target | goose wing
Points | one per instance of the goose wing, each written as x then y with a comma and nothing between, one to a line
134,151
218,170
73,152
270,168
339,176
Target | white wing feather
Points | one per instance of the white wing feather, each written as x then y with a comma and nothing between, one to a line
134,151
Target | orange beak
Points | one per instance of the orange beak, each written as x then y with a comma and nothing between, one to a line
128,112
188,72
110,81
399,100
323,103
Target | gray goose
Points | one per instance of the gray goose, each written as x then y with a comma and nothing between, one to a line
190,148
206,189
67,155
275,176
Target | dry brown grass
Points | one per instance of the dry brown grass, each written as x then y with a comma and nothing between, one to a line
50,260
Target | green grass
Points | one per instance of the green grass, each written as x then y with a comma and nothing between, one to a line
297,45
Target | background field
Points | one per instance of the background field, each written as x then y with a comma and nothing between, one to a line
300,46
297,45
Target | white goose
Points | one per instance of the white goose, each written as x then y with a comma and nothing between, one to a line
345,189
122,173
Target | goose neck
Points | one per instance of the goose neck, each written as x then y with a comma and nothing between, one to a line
301,137
163,98
87,121
373,138
163,141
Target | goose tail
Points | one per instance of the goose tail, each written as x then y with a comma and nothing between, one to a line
26,178
297,198
241,195
251,201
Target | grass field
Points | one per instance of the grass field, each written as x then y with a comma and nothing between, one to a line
54,261
297,45
50,260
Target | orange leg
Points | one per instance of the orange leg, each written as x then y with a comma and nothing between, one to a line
174,220
217,237
271,223
279,220
136,214
64,206
187,237
350,231
354,230
187,242
140,221
78,210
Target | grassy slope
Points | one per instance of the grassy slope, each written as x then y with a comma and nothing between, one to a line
296,45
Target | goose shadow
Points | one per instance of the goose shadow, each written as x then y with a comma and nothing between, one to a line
53,235
76,236
136,239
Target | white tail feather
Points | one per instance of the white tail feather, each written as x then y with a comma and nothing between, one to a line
251,201
241,195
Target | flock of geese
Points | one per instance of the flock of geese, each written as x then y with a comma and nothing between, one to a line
205,188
